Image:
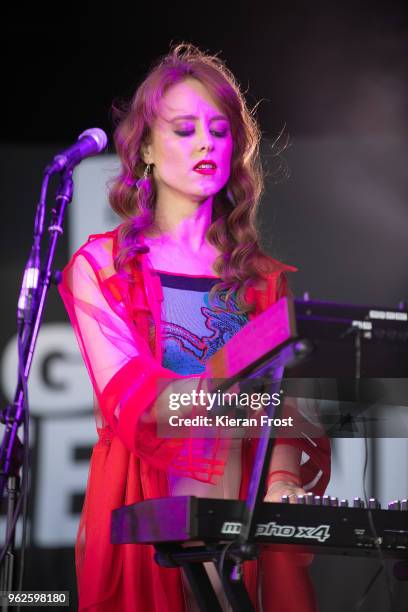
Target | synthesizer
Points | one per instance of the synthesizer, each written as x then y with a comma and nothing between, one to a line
317,524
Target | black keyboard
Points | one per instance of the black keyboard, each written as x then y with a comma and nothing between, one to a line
323,525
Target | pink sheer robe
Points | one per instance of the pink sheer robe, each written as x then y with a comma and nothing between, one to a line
117,324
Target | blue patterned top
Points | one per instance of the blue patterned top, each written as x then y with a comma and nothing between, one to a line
192,329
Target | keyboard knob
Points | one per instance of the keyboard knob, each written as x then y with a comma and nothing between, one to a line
358,502
285,499
344,503
326,500
404,504
394,505
301,499
317,501
309,499
373,503
334,502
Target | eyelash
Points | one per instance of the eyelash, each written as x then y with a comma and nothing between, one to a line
216,133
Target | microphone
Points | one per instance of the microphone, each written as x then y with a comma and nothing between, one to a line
91,142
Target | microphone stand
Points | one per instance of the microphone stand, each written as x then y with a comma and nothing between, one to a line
11,450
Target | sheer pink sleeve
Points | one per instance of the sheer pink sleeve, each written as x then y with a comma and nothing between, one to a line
125,376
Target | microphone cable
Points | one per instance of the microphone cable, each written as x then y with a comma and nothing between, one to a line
24,318
377,543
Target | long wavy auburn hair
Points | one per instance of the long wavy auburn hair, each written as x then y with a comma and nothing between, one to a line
233,230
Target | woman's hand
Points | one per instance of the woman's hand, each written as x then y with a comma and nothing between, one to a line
275,492
279,488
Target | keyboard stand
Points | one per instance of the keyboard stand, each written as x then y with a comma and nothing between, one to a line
192,558
230,570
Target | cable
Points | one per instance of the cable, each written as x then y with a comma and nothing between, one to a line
373,529
377,544
23,497
12,528
22,502
25,473
367,589
222,557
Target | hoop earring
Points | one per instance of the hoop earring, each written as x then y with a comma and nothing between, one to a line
144,180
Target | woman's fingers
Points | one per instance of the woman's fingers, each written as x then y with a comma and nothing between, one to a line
279,489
